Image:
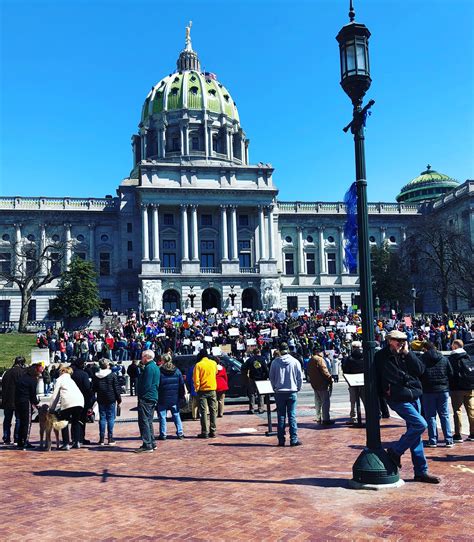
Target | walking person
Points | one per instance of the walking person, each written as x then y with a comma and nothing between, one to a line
107,390
321,381
222,385
435,382
25,400
171,390
462,388
9,381
286,377
398,376
46,376
71,402
205,384
147,393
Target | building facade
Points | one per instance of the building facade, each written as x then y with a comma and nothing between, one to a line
196,225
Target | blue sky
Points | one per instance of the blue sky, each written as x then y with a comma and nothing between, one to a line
74,75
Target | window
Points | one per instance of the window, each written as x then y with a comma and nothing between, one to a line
5,262
195,143
175,144
6,237
193,90
31,237
206,220
393,239
174,91
292,302
55,238
129,264
288,239
80,255
169,244
55,259
131,296
331,256
310,239
243,220
245,258
207,245
104,264
207,259
129,227
168,219
32,310
104,238
214,142
31,263
330,239
80,238
310,263
289,264
372,239
129,245
313,302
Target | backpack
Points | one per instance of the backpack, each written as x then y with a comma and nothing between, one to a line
465,372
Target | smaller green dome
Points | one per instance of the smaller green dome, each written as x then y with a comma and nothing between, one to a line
427,186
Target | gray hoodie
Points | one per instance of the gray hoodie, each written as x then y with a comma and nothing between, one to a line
286,374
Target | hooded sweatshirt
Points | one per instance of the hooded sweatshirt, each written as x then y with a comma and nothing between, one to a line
286,374
106,387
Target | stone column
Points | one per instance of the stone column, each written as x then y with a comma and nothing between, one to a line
235,253
224,236
91,241
301,261
156,234
182,140
263,248
230,150
68,245
383,231
342,253
163,142
195,254
145,145
322,259
271,232
404,233
184,234
42,255
18,253
146,242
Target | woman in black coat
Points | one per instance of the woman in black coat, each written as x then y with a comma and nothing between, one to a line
107,389
171,390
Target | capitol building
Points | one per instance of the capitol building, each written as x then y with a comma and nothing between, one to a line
197,225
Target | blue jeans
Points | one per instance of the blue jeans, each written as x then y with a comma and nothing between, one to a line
106,419
7,425
146,410
416,426
286,405
176,418
437,403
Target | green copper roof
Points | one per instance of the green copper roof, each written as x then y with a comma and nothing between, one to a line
427,186
190,90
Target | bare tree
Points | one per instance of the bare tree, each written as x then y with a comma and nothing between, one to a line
31,268
443,260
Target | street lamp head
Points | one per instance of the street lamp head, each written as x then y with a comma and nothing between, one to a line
353,39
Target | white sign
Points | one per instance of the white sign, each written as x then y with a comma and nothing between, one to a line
233,332
321,329
355,380
216,351
208,339
332,323
251,342
186,342
274,333
264,387
215,334
265,331
351,329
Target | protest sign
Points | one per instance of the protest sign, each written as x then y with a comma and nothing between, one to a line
233,332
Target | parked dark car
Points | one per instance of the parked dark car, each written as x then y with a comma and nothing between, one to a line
233,367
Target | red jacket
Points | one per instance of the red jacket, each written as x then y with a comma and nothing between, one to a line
221,379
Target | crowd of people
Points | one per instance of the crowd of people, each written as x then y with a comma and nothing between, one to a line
89,367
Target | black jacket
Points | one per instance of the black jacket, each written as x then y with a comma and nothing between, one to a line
398,377
25,391
256,367
9,382
106,386
437,372
457,381
133,371
82,379
354,364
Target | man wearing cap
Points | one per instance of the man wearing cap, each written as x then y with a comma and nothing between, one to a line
286,377
398,376
352,365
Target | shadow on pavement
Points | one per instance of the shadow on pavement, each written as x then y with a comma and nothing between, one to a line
106,475
453,458
242,444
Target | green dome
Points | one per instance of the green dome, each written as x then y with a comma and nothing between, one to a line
190,89
427,186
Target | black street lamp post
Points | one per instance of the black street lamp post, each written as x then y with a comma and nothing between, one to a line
373,467
333,299
413,300
377,306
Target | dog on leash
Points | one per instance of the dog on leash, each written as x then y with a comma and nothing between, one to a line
48,423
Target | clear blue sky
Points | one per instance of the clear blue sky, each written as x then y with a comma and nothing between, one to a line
74,75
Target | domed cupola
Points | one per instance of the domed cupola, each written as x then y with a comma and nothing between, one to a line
427,186
190,115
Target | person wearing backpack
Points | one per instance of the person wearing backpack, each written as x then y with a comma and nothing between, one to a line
461,388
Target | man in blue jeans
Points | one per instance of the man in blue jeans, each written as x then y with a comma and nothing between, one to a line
147,393
398,374
286,377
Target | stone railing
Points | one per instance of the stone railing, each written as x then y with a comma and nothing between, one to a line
340,208
210,270
66,204
170,270
248,270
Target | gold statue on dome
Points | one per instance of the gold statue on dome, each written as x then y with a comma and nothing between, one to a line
188,36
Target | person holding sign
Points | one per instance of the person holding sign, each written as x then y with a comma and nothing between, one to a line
255,368
354,364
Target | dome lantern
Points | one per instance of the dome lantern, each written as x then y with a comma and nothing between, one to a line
188,59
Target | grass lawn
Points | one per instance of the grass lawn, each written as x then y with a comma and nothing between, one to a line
15,344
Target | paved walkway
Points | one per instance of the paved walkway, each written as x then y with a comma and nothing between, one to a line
240,486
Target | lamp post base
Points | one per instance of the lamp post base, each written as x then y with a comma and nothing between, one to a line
373,469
